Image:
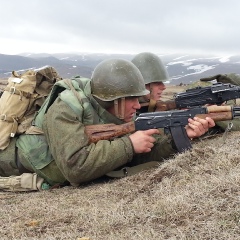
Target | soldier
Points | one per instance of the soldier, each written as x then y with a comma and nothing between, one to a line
63,153
233,125
155,75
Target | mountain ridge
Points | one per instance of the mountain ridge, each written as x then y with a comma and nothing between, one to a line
182,68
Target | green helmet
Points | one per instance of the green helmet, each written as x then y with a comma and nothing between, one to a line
151,67
117,78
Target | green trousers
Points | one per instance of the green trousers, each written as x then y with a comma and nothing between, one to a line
8,166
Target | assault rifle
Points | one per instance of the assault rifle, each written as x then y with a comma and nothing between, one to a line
173,122
217,93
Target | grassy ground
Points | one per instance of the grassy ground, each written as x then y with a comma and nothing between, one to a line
195,195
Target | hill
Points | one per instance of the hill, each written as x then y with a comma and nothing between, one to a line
182,68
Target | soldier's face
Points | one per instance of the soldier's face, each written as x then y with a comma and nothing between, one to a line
131,106
156,89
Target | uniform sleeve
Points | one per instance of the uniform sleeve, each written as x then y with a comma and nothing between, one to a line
163,149
78,161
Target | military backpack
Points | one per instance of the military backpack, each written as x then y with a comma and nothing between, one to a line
21,99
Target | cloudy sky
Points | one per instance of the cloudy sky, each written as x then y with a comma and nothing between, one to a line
120,26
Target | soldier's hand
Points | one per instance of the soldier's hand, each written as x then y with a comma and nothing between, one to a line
143,141
197,127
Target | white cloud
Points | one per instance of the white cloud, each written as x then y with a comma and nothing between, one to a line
119,26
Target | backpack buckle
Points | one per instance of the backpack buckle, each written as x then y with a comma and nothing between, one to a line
12,90
3,117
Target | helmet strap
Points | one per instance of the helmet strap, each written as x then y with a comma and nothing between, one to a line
150,89
152,102
119,107
152,105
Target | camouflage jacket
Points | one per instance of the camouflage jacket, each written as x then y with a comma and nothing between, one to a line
64,153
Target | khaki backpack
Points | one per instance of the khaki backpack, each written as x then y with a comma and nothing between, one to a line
21,99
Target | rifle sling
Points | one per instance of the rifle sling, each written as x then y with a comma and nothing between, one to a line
129,171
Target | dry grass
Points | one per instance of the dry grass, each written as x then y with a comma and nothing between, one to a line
170,91
195,195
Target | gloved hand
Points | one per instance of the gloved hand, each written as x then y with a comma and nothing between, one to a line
232,78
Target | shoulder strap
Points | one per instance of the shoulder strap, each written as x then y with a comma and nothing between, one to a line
68,82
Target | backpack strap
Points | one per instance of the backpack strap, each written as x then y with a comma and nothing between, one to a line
34,130
14,90
13,121
68,82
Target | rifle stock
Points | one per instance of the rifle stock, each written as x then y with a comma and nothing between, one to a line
108,131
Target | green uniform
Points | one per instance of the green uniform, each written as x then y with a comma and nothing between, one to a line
63,152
